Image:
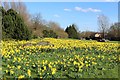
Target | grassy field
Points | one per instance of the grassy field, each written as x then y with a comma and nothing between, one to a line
60,58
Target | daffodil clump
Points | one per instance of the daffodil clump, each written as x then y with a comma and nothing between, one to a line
59,58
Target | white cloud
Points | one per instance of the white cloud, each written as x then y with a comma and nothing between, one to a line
94,10
80,9
87,10
56,15
66,9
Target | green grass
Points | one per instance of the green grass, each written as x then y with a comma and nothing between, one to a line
69,63
103,69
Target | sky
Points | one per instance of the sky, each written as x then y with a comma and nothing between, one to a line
83,14
61,0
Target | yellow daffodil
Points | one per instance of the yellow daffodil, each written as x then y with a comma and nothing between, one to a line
20,77
53,70
29,72
18,67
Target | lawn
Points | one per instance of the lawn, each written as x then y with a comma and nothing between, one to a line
60,58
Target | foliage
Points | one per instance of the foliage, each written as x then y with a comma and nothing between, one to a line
57,29
19,7
72,32
114,32
49,33
62,58
87,35
14,26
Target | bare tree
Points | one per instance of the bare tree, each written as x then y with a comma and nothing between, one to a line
6,5
13,5
20,7
53,25
36,20
0,3
114,30
38,24
103,23
57,29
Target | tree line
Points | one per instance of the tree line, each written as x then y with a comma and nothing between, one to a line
18,24
34,24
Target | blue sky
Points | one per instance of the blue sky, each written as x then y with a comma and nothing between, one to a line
61,0
83,14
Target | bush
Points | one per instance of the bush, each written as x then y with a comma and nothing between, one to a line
13,26
49,33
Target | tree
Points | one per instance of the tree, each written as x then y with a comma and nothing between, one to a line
103,23
38,25
57,29
0,24
14,26
87,34
49,33
20,8
36,20
72,32
5,20
6,5
114,32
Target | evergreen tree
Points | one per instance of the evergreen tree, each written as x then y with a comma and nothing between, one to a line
72,32
0,23
2,10
14,26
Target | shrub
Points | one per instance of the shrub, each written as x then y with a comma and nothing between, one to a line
49,33
13,26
